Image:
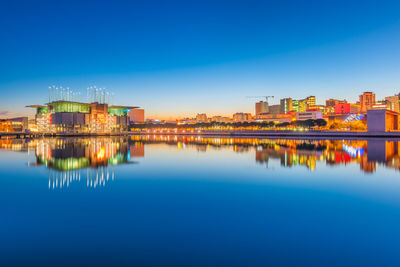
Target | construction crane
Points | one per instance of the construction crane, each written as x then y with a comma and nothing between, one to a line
266,97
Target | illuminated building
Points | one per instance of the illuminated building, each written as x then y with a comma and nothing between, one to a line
393,103
14,124
201,117
286,105
241,116
311,115
382,120
275,109
303,104
261,107
320,108
68,116
367,100
136,115
382,104
330,105
278,118
345,108
220,119
295,105
310,101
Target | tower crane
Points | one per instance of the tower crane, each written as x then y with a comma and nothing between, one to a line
266,97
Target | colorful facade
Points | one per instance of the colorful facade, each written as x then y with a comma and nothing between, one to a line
77,117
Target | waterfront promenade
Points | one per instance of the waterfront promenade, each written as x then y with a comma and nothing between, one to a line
233,133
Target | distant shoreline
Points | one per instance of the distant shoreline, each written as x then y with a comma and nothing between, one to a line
237,133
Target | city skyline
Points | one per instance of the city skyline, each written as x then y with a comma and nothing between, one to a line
222,52
282,106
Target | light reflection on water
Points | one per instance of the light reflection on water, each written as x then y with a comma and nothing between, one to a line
94,159
192,200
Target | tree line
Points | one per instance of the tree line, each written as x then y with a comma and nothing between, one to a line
310,124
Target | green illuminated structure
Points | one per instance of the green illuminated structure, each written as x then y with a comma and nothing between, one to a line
65,116
118,110
69,106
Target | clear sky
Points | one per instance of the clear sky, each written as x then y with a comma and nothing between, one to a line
179,58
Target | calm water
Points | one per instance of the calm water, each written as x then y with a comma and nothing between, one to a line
159,200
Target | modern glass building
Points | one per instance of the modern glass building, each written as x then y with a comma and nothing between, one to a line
64,116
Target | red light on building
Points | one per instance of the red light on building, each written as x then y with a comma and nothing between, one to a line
343,108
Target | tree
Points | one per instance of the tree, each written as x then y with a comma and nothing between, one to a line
320,122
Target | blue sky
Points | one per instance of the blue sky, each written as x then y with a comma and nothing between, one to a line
179,58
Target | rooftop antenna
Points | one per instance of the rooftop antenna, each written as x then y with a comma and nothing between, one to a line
62,93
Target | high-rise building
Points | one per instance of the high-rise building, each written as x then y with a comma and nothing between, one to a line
303,104
331,103
346,108
367,100
295,105
393,102
286,105
261,107
274,109
310,101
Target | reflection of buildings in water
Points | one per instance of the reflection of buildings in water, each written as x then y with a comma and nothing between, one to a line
202,148
288,157
23,145
384,152
240,149
136,150
71,159
94,177
293,152
367,165
73,154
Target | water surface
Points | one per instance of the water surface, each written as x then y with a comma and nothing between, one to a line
190,200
